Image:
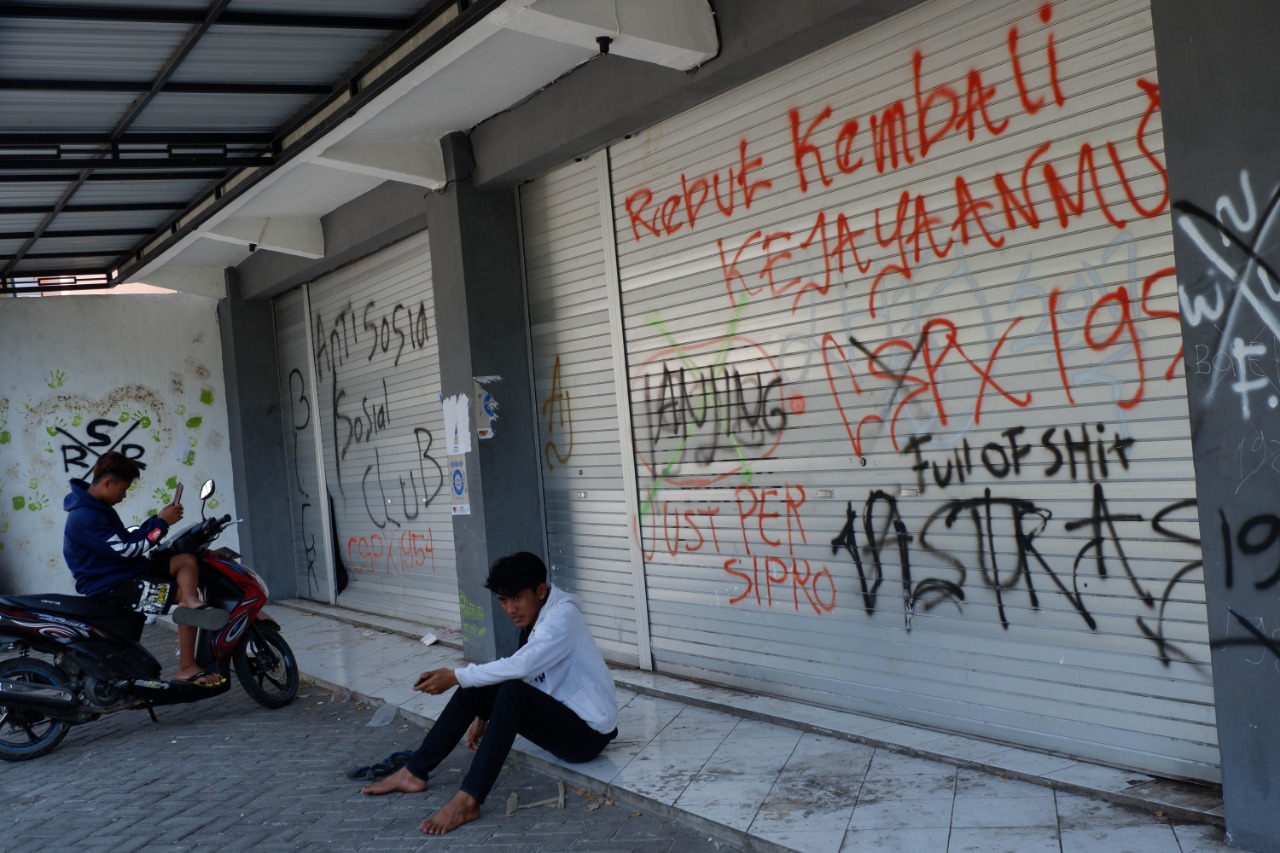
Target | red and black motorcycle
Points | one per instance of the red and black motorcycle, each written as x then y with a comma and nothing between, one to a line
69,660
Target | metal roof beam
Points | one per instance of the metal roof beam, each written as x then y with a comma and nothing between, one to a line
106,255
188,43
121,207
177,138
65,177
190,17
171,88
231,160
435,26
30,274
78,281
91,232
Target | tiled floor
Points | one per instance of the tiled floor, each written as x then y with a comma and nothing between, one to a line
768,774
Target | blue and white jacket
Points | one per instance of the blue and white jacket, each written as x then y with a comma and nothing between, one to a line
561,660
99,550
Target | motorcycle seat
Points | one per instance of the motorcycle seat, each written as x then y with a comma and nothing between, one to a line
123,623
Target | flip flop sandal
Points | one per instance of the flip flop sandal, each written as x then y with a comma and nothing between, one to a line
195,679
363,773
205,616
384,768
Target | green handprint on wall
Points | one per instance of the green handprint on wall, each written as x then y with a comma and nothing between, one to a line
140,415
56,378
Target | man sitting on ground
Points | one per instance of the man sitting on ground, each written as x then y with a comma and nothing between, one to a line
109,560
555,690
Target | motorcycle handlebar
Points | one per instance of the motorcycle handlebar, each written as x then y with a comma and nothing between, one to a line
190,541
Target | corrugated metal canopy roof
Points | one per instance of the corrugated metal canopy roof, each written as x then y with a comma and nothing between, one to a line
165,140
118,116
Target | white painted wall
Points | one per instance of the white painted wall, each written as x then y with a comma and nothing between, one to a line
79,376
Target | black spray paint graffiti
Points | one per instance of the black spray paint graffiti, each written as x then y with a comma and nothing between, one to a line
429,471
1259,535
299,406
989,518
395,331
1004,555
1074,455
99,441
300,420
373,418
714,413
1155,631
1234,265
309,552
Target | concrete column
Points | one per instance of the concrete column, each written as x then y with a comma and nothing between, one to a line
1219,81
257,438
482,330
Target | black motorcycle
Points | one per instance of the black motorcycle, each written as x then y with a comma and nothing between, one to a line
69,659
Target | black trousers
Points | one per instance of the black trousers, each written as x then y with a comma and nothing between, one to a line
511,708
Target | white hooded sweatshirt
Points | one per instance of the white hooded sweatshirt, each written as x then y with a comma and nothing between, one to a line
560,659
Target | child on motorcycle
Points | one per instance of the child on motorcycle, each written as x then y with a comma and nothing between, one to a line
555,690
108,560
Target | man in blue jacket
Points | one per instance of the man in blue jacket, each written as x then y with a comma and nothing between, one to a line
108,560
555,690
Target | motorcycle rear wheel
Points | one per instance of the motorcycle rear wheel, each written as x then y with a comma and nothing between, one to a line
30,734
266,666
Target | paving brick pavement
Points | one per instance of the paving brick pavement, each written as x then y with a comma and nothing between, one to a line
228,774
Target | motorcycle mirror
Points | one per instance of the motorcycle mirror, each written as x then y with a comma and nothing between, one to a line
206,490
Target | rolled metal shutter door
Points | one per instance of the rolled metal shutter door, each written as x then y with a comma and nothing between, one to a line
380,421
580,435
907,383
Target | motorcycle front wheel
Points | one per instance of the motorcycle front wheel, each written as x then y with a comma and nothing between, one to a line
266,666
30,734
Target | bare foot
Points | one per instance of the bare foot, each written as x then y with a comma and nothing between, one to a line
400,782
463,808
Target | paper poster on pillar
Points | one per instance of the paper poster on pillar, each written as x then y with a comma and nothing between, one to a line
457,424
483,405
460,498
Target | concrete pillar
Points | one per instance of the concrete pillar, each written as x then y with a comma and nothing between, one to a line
1218,83
257,439
482,330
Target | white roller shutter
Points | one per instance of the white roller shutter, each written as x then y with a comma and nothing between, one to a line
372,333
905,374
580,441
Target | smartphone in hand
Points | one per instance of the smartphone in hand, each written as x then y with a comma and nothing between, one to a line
177,494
